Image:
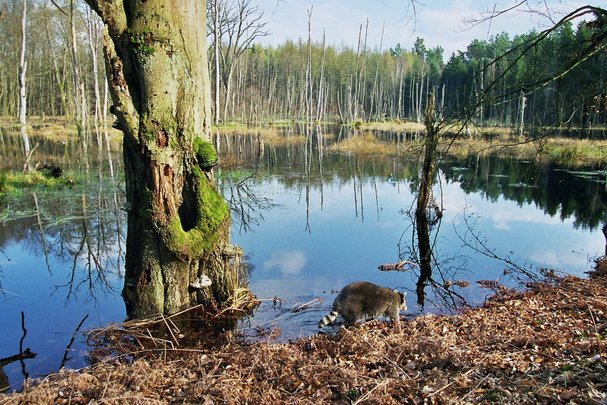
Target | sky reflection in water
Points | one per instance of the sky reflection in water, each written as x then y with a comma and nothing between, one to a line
298,259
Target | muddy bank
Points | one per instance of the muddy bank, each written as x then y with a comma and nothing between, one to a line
543,345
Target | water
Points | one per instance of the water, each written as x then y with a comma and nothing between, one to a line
61,260
309,223
333,226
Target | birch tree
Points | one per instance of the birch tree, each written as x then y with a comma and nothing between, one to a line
235,26
22,92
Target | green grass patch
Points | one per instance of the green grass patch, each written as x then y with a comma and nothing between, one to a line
12,214
235,176
230,126
282,123
14,183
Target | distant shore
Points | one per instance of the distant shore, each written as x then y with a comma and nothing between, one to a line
457,141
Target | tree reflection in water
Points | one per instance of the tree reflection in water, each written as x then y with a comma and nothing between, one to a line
88,234
439,273
61,252
426,220
23,354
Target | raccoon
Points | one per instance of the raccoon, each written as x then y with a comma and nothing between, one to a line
364,300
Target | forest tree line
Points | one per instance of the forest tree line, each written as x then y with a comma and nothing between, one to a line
501,80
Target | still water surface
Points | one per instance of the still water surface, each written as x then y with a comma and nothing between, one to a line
309,223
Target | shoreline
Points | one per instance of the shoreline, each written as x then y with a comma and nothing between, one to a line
542,345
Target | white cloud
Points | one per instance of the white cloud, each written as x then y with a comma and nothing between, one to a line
461,204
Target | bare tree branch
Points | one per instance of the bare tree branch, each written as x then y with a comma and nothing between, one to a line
59,8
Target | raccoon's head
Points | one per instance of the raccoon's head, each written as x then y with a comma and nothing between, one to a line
403,301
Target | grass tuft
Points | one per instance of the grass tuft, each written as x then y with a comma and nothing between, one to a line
365,144
13,183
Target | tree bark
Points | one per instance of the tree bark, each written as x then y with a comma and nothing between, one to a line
22,93
429,164
77,82
423,197
178,224
216,39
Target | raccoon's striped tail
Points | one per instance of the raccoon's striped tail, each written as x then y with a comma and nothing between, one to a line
328,319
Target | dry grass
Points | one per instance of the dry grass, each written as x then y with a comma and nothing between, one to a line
56,129
277,139
540,346
364,144
247,130
407,126
270,135
570,152
577,152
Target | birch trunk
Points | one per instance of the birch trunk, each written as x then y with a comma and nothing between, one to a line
22,92
93,32
521,109
76,75
216,58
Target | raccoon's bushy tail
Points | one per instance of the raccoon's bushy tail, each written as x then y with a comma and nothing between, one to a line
328,319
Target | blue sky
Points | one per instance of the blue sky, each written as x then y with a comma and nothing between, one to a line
439,22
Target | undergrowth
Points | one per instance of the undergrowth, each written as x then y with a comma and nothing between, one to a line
14,183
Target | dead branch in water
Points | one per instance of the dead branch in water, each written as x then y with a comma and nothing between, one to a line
400,266
300,307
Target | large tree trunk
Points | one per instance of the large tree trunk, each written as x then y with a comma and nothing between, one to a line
178,224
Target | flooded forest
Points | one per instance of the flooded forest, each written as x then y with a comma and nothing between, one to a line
180,201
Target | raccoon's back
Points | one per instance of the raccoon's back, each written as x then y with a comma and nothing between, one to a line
360,292
362,299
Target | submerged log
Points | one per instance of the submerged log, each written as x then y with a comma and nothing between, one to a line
300,307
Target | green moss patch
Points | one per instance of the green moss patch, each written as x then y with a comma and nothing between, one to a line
205,153
211,214
143,41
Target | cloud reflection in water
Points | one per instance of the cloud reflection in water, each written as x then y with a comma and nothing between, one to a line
289,262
